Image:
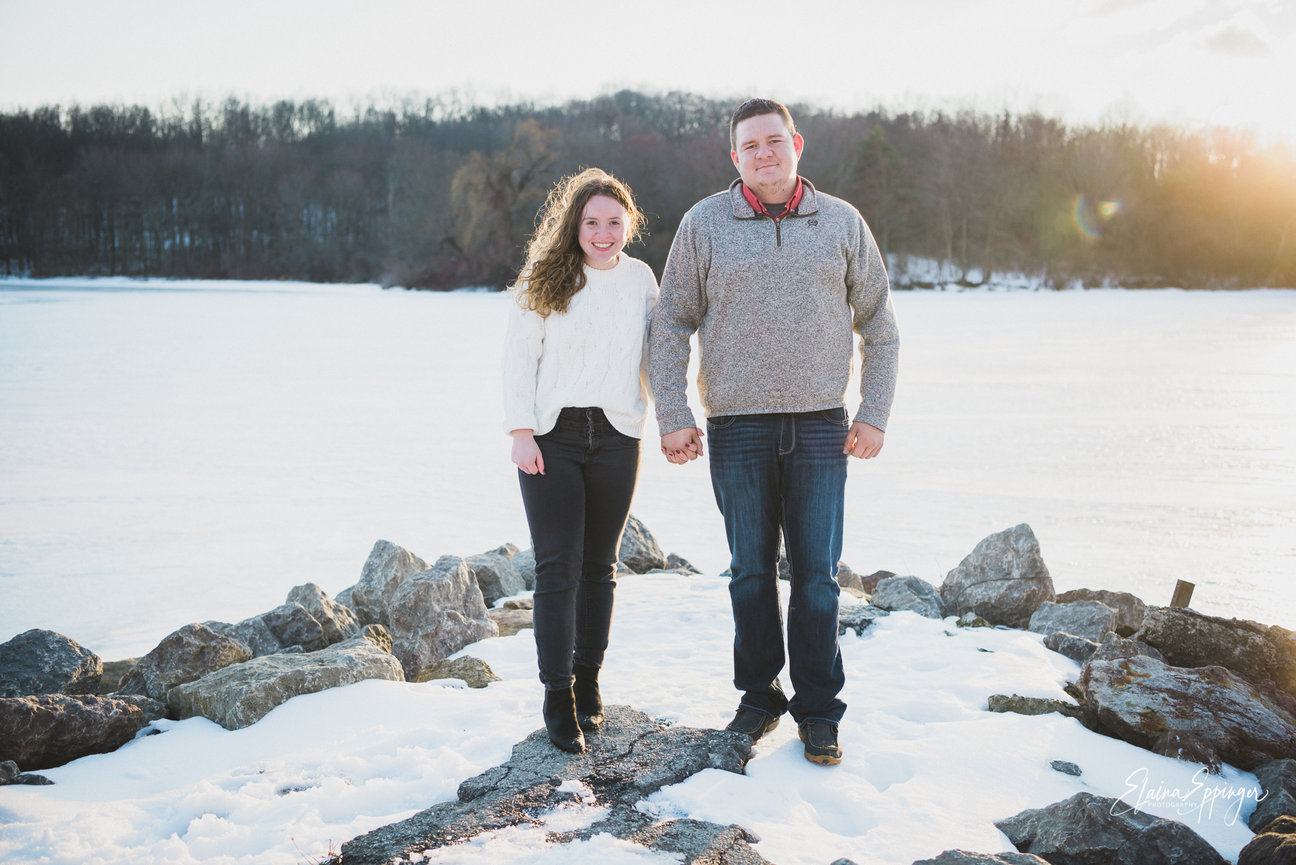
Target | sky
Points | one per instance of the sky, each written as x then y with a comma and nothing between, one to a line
1191,62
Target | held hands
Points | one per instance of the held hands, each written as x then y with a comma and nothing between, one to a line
526,453
863,441
682,445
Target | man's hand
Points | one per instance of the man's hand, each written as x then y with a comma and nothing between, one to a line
863,441
526,453
682,445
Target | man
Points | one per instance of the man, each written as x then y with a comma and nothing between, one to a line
773,276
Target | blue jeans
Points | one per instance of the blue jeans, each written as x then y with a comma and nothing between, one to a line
788,472
577,511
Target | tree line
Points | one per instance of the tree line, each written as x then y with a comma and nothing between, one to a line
434,192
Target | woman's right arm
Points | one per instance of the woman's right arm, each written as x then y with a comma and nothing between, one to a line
523,346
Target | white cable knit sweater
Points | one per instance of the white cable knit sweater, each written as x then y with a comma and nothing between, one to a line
592,355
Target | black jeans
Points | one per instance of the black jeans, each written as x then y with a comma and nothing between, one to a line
577,511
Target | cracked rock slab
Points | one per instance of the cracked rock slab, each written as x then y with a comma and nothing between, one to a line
630,758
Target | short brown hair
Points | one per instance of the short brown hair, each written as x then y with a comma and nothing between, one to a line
755,108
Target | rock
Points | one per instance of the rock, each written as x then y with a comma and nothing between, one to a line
287,627
1076,648
908,593
1020,705
183,656
510,621
238,696
1113,647
972,620
1139,699
858,618
8,771
1276,845
639,550
1278,793
518,604
386,568
1003,580
676,562
1167,842
43,662
1188,638
48,730
344,598
29,779
495,574
1089,620
1130,610
1065,767
474,672
848,579
113,673
869,583
435,613
631,758
337,621
524,561
1189,747
1088,829
963,857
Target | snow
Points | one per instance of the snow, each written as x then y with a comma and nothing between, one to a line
172,452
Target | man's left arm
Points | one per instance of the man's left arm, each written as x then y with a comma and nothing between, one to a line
868,290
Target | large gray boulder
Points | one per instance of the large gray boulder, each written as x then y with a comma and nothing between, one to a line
48,730
495,574
524,562
1130,609
631,758
1097,830
45,662
240,695
435,613
908,593
1188,638
386,568
337,621
1140,699
640,551
1089,620
1004,579
288,627
1278,793
183,656
1276,845
964,857
1113,647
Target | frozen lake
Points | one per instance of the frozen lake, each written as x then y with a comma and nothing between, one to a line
175,452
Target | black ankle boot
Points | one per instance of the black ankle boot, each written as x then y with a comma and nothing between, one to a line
560,720
589,703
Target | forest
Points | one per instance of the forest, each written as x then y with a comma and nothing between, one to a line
438,193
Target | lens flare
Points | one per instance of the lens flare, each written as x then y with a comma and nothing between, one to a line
1090,216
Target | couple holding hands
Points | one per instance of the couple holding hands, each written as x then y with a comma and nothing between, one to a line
774,277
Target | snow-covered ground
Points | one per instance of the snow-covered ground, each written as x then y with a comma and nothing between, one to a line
927,768
173,452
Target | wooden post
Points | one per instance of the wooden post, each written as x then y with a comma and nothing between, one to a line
1182,594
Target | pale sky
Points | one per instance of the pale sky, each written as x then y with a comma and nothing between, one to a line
1198,62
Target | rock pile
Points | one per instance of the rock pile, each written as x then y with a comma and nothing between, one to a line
1174,681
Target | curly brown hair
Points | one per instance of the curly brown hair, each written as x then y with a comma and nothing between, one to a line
554,269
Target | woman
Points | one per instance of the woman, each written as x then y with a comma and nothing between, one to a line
575,399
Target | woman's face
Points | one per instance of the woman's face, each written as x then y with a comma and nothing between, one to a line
602,231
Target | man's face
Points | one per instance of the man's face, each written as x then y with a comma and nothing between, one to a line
767,153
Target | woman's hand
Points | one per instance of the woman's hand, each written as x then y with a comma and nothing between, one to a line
526,453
